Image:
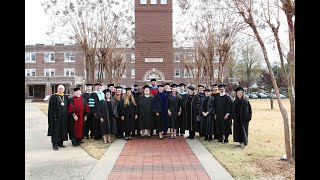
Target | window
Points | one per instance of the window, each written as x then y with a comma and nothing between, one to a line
202,73
49,57
133,60
49,72
215,59
133,73
193,73
30,57
177,57
124,74
177,73
215,73
113,73
30,72
69,72
153,1
190,56
69,57
143,1
185,73
163,2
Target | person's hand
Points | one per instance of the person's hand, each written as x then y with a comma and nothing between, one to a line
75,118
85,118
122,118
226,117
136,116
157,114
169,113
101,119
179,113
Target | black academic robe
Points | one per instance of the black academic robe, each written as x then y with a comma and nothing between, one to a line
136,94
223,106
156,107
241,115
181,121
174,105
214,119
120,123
108,111
146,116
58,118
191,106
128,111
206,123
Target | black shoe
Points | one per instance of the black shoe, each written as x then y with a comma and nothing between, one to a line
206,138
225,141
55,148
74,145
61,146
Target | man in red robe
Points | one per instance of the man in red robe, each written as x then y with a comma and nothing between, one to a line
78,110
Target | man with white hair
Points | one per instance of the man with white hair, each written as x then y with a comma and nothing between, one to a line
57,118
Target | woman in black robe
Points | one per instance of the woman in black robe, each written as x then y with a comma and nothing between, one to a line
146,116
207,109
107,115
241,115
174,110
159,107
128,113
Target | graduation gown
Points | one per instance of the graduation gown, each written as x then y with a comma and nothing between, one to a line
181,120
146,116
206,123
174,105
191,106
223,106
128,111
80,108
58,118
241,115
108,111
162,103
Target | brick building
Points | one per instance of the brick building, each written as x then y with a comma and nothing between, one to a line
47,66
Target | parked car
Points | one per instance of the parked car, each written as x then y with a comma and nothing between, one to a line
262,96
253,96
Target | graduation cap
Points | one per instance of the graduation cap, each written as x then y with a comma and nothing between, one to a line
118,87
206,90
222,85
153,80
182,84
200,85
146,86
76,89
191,87
160,85
239,89
135,85
215,84
173,85
109,85
106,91
166,84
98,84
128,89
88,84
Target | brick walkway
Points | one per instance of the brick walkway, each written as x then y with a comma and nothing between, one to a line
151,158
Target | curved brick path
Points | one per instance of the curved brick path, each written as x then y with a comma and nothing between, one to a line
151,158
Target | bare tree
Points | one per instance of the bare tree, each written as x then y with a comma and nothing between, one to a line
246,9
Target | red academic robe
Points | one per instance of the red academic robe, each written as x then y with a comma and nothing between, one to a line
80,107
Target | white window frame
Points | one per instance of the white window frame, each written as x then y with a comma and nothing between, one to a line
49,71
30,71
175,73
185,73
143,1
48,56
175,57
133,58
215,59
153,1
69,70
28,57
191,54
69,57
215,73
163,1
133,73
124,75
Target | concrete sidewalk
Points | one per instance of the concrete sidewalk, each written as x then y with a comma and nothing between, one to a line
42,162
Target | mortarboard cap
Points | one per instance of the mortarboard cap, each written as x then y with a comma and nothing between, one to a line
135,85
98,84
166,84
182,84
239,89
88,84
200,85
106,91
145,86
222,85
76,89
173,85
206,90
215,84
109,85
160,85
128,89
153,80
118,87
191,87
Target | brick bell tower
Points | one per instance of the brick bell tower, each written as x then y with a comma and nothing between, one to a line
153,41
